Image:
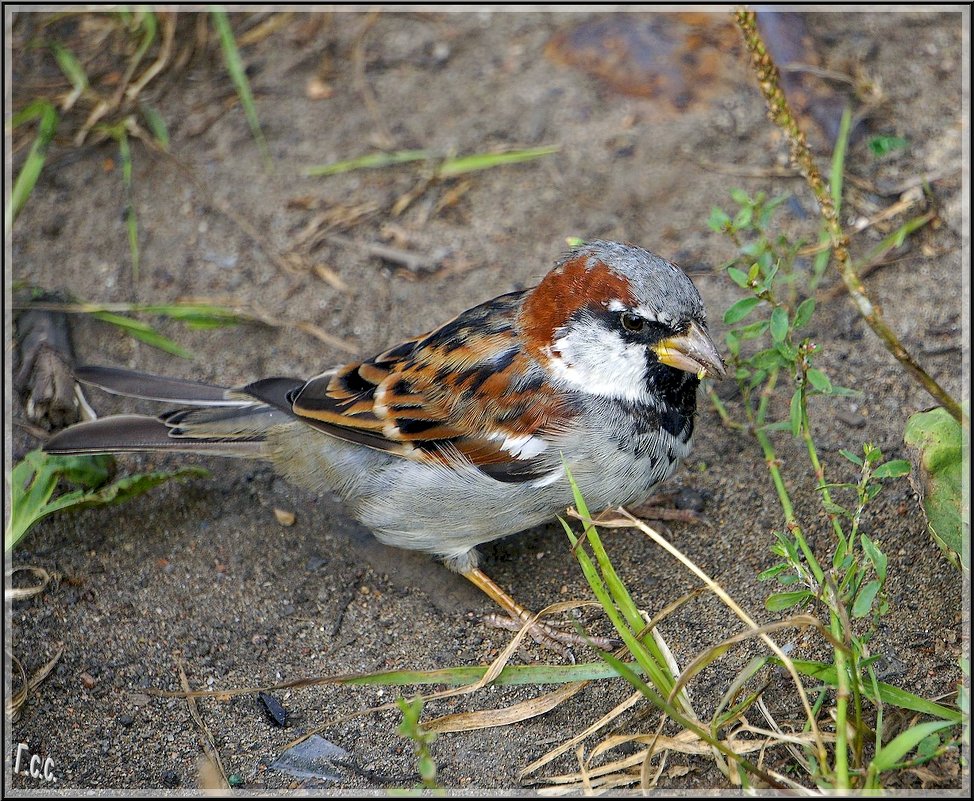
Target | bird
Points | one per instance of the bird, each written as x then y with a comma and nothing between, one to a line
467,433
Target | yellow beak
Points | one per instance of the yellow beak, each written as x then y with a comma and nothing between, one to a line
693,351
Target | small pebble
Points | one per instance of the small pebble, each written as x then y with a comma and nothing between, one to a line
276,712
126,720
850,418
690,499
314,563
170,778
284,517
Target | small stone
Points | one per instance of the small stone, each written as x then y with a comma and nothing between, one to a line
850,418
170,778
284,517
276,712
88,680
314,563
318,89
690,499
126,720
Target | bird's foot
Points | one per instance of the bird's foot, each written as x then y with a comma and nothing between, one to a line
683,505
556,637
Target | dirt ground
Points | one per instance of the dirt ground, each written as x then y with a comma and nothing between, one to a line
201,575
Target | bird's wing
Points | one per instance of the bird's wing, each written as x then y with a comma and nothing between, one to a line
466,390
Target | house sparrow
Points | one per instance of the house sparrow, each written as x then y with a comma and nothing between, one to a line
461,436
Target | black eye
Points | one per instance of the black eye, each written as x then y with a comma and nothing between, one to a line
632,322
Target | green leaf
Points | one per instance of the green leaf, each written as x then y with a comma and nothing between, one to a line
771,572
157,125
894,468
819,380
767,359
740,310
888,694
884,145
928,746
740,197
89,472
845,392
935,444
718,220
804,313
34,479
733,343
738,276
901,745
71,67
795,413
786,600
754,330
851,456
369,162
864,600
876,556
779,324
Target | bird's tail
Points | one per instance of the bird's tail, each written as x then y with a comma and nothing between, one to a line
207,419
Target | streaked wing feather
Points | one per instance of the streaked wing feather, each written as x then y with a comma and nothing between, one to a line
437,397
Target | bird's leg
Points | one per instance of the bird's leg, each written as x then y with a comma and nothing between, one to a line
541,633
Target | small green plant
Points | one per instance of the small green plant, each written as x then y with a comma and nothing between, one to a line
881,146
834,756
35,478
106,65
766,344
412,729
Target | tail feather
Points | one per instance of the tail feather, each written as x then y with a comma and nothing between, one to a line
135,433
208,419
134,384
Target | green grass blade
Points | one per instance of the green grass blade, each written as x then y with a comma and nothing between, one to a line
888,694
462,165
369,162
194,315
659,676
511,675
131,221
71,68
835,185
144,332
34,163
614,584
901,745
895,239
238,74
157,125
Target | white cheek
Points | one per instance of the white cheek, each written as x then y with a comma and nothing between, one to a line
600,362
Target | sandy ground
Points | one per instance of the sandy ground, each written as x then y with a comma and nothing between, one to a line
201,575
